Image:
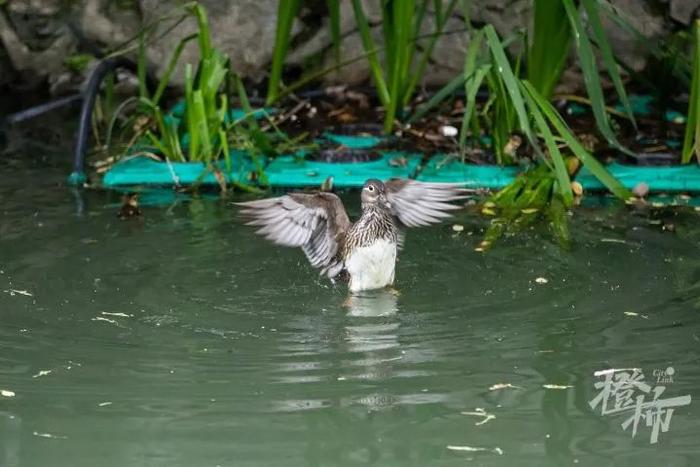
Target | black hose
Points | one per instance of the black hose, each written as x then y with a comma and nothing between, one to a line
92,88
40,109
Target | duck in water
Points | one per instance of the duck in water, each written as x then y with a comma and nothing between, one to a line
366,249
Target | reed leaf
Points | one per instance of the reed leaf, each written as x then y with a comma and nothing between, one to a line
591,7
371,50
591,76
595,167
334,19
691,141
435,100
551,40
505,73
560,171
286,12
141,67
165,79
471,88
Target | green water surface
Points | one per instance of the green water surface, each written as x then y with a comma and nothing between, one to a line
182,339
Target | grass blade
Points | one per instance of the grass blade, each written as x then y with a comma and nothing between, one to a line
691,141
510,81
591,76
549,49
334,19
440,21
560,171
442,94
286,12
591,7
371,50
163,83
471,87
141,67
596,168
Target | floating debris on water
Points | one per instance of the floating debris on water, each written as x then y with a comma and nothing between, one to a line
556,386
612,240
6,393
42,373
458,228
503,386
479,412
49,435
121,315
632,313
541,280
104,404
99,318
495,450
14,292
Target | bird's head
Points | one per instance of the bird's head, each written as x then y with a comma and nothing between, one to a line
374,193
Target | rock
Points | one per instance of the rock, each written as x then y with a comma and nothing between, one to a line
685,11
244,30
38,35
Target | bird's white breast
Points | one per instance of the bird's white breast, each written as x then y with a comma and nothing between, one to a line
372,267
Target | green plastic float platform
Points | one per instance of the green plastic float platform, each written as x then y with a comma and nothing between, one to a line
142,170
295,171
446,169
292,172
664,178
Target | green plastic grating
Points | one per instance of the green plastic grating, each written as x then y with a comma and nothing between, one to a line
294,172
141,170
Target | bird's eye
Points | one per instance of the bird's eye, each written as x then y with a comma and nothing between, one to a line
370,188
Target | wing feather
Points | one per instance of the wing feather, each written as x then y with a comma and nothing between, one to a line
417,203
316,222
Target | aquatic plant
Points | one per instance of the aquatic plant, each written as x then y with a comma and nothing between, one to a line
205,105
396,78
287,10
691,141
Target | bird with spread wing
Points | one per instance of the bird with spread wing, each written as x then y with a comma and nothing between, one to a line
366,249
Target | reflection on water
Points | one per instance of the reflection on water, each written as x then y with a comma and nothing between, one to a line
182,339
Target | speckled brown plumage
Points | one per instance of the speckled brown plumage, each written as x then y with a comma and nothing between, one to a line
318,223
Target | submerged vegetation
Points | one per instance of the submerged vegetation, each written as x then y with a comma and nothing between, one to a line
691,142
509,113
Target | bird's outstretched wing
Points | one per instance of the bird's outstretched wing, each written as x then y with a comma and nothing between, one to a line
316,222
417,203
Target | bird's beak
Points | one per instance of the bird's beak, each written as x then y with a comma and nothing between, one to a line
385,202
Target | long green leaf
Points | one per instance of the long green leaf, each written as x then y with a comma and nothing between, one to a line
691,141
441,18
204,35
334,20
509,80
286,12
591,76
190,117
371,50
141,67
442,94
471,88
549,49
596,168
165,80
560,171
201,128
591,7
